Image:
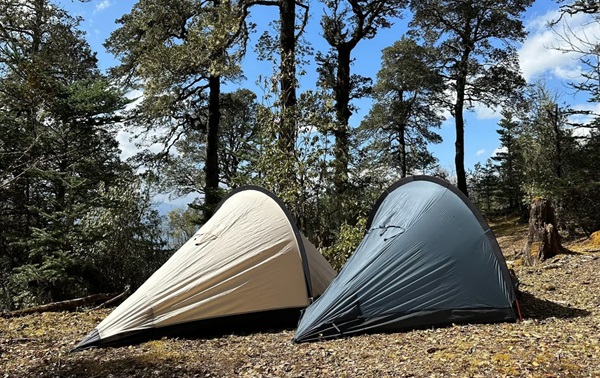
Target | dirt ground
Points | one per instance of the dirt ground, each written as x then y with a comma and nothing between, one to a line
559,337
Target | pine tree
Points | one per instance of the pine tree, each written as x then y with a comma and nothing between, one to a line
476,38
346,23
178,53
510,163
484,186
58,115
404,115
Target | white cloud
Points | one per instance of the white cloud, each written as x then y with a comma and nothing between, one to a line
583,119
136,96
480,152
568,73
538,55
483,112
102,5
126,138
593,107
582,132
498,150
445,114
126,144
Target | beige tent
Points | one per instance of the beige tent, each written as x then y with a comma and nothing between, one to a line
248,264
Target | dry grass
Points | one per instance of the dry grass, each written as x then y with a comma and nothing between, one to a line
558,338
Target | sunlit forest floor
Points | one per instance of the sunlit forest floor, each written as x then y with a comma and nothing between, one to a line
559,337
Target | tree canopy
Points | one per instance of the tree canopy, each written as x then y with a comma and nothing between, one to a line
477,42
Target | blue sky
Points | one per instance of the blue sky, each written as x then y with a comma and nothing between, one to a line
481,140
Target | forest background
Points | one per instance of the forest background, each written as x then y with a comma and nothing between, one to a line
193,98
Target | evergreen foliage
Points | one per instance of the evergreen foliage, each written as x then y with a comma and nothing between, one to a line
541,156
345,23
399,125
509,158
476,39
60,160
178,53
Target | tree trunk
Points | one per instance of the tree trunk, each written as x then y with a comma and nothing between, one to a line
211,166
115,299
459,105
556,127
402,139
459,158
543,241
287,133
341,150
287,66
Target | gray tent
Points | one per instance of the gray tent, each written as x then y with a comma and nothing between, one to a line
247,268
428,258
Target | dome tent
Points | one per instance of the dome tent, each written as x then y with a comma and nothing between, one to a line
248,265
428,258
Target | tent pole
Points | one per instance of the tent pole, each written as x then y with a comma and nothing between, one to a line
519,310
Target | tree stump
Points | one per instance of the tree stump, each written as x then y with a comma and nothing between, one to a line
543,240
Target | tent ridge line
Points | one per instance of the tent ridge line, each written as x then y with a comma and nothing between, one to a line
292,223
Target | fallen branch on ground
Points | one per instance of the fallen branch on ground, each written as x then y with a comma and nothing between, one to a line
68,305
114,300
